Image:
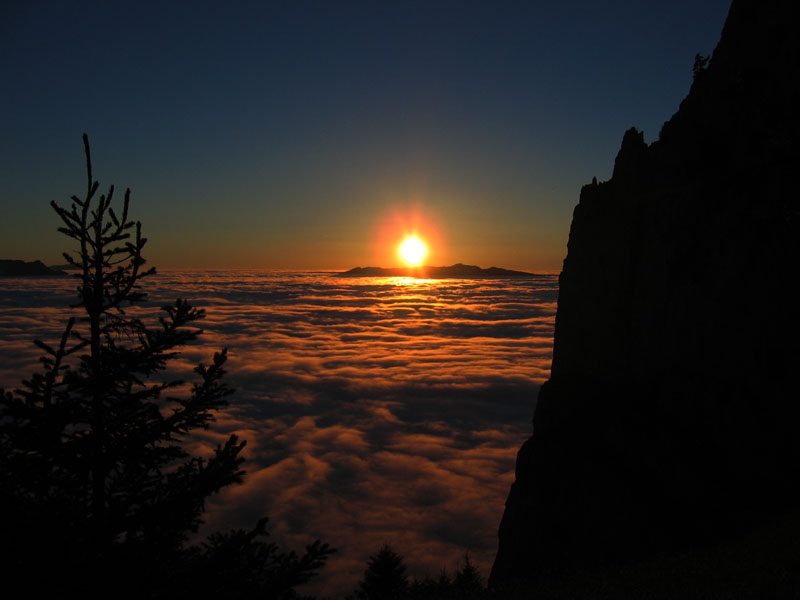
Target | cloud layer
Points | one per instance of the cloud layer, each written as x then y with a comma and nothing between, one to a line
376,410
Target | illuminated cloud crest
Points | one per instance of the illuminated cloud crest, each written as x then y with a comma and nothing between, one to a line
376,410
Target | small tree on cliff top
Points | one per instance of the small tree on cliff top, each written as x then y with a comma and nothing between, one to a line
98,483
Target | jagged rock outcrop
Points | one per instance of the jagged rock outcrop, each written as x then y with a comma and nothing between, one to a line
670,419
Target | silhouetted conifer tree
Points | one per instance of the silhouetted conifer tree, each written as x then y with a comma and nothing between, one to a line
385,577
431,589
98,487
468,582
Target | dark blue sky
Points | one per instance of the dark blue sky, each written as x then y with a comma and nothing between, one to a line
298,134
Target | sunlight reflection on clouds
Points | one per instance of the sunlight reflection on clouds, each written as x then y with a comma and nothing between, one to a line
376,410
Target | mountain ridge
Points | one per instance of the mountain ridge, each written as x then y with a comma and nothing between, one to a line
21,268
457,270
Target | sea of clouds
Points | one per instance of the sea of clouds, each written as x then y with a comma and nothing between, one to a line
376,410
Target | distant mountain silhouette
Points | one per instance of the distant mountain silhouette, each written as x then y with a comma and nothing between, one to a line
64,267
670,418
457,270
20,268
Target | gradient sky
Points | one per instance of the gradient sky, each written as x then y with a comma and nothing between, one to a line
303,135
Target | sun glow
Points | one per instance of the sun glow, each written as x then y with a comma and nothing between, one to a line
413,251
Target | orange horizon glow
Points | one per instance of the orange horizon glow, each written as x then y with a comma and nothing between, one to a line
409,236
412,250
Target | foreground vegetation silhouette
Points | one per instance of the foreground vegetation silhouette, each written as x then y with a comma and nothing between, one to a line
101,495
385,578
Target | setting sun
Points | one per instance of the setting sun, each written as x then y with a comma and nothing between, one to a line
413,251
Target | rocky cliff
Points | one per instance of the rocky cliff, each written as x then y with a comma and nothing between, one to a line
670,419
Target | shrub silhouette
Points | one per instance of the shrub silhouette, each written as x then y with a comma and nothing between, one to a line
98,484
